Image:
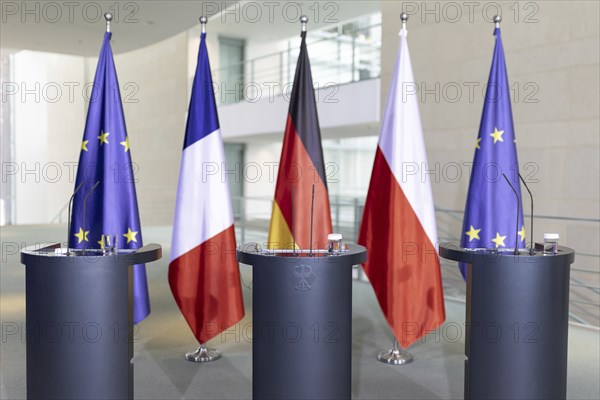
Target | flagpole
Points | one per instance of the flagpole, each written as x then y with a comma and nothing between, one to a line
108,17
203,21
396,355
203,354
303,21
404,18
497,20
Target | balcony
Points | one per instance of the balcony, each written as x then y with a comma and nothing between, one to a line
346,66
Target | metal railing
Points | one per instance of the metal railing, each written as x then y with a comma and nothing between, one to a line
252,225
61,216
253,214
335,58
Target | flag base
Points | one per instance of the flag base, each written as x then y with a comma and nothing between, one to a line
203,355
395,356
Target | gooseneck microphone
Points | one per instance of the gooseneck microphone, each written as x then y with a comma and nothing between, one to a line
69,214
312,209
516,252
293,232
84,207
532,248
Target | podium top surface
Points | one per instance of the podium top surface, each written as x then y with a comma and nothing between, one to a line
53,253
251,254
453,251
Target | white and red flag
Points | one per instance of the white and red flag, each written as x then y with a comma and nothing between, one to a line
203,272
398,226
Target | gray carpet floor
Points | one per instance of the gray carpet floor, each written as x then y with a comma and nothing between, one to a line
161,372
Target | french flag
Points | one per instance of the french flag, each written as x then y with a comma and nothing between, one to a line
398,227
203,272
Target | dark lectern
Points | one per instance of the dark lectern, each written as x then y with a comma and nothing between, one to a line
79,316
302,323
517,323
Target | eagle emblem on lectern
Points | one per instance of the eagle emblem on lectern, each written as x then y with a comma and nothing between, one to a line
302,278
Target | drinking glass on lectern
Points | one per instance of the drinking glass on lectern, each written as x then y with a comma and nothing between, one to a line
109,244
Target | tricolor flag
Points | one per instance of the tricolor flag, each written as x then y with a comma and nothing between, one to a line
105,157
491,210
398,227
301,165
203,272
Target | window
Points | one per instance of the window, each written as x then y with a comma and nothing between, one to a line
231,77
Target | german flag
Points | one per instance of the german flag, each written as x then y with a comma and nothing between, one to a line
301,166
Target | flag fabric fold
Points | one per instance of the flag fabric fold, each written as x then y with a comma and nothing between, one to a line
398,226
491,210
203,271
105,157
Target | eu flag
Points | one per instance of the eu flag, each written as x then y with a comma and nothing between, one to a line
105,157
491,211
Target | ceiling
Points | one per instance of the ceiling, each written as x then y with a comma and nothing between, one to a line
60,28
54,27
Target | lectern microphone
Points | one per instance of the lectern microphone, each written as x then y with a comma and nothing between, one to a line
293,232
69,214
312,209
84,206
532,248
516,252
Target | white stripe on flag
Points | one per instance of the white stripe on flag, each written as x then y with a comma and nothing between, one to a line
203,207
401,142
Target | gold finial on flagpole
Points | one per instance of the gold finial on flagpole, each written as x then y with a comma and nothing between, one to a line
303,21
497,20
108,17
203,21
404,18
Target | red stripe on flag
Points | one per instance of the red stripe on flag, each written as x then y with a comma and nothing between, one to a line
297,169
402,265
206,285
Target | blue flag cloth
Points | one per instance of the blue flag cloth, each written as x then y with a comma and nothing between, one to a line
105,157
490,219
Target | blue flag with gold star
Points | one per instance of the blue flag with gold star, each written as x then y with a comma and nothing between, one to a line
105,157
490,219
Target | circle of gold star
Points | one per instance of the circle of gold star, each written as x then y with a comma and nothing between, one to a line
499,240
522,233
125,144
103,137
473,233
81,235
497,135
130,235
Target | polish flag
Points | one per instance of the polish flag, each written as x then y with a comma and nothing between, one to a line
398,227
203,272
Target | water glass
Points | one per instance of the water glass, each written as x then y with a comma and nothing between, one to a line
109,244
550,243
334,243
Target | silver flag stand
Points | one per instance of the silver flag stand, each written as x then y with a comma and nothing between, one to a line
203,354
395,356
